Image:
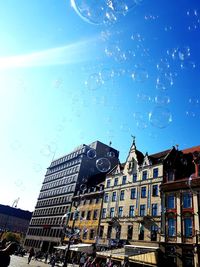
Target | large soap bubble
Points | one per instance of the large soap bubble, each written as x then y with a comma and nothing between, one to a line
103,164
102,11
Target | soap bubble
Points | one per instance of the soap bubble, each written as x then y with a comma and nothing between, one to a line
160,117
102,11
91,154
162,99
94,81
141,120
111,154
103,164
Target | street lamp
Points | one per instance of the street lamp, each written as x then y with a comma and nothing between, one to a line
72,232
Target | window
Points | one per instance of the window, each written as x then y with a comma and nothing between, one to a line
101,231
85,234
133,193
116,181
88,215
187,200
144,175
188,227
97,200
154,230
106,198
155,172
95,214
118,232
82,214
124,180
142,210
130,232
171,227
112,211
143,192
92,234
109,232
103,216
131,211
114,195
108,183
155,190
120,211
154,210
134,177
171,201
122,195
170,176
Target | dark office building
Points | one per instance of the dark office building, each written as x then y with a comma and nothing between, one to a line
14,220
63,178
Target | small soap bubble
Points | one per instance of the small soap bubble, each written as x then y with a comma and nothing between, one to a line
160,117
111,154
141,120
94,82
140,74
91,154
162,99
103,164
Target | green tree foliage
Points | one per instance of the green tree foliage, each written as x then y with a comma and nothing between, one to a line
10,236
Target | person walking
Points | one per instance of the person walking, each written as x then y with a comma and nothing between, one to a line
31,254
6,253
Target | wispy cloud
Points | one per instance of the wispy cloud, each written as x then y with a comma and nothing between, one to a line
70,54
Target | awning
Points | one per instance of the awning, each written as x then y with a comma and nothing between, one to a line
149,258
116,254
87,248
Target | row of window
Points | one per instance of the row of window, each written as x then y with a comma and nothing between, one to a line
90,201
49,211
83,215
129,231
68,157
61,167
68,171
46,221
58,191
133,195
186,200
54,201
63,181
142,211
44,232
134,178
187,226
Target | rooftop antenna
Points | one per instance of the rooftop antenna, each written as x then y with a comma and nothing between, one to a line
110,143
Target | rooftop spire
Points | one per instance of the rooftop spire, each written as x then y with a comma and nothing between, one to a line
133,139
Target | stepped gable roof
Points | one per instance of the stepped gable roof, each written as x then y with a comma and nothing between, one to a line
157,157
191,149
11,211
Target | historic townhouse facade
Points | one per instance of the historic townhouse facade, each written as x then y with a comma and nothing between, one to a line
131,212
86,212
180,193
63,178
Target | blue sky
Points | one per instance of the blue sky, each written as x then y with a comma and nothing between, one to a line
65,80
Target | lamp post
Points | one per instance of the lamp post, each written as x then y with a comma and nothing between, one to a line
72,231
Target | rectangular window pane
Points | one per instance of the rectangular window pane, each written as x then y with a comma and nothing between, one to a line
131,211
155,173
187,200
143,191
135,177
155,190
171,201
188,227
171,227
122,195
144,175
133,193
142,210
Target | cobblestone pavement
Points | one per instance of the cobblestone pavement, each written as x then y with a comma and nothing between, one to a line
17,261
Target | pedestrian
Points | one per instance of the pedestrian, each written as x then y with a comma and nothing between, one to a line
31,254
53,260
46,255
82,260
5,254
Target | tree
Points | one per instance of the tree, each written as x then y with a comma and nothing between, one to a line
10,236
